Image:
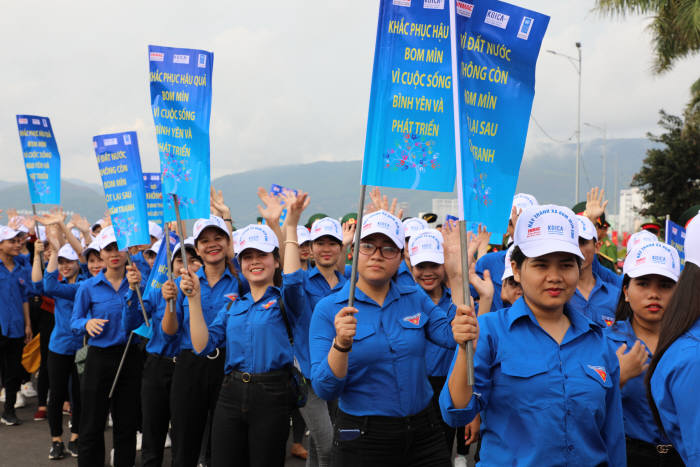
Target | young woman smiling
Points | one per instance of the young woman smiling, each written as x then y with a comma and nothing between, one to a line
545,377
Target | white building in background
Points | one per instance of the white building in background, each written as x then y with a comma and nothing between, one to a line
442,207
630,203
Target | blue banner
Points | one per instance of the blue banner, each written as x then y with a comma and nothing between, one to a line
154,197
41,159
498,45
120,168
410,129
675,236
277,190
181,104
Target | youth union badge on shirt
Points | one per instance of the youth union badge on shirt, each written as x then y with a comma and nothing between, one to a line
414,319
600,371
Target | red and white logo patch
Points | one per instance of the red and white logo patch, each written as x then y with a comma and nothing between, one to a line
600,371
608,320
414,319
232,296
270,303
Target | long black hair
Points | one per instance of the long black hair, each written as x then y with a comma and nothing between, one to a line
680,315
623,312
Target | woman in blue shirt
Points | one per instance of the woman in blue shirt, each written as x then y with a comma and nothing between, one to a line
372,358
251,420
546,380
650,275
97,310
673,377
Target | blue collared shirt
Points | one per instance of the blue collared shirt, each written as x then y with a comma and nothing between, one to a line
62,341
606,274
495,263
543,403
302,290
253,333
438,358
639,422
159,342
673,387
14,289
96,298
213,300
386,369
601,304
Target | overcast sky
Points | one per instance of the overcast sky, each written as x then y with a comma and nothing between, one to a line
291,79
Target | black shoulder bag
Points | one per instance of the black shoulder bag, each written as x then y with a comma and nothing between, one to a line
300,385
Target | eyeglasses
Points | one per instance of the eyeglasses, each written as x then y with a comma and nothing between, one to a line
387,252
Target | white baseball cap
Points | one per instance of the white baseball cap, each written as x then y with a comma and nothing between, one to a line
303,234
189,241
692,241
68,253
94,246
640,238
326,226
524,201
386,224
106,237
213,221
586,229
545,229
154,230
258,237
653,258
508,270
413,225
7,233
236,237
155,247
426,246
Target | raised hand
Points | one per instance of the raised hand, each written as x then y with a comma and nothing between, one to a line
56,216
452,249
349,232
80,223
218,206
465,327
345,326
483,238
273,206
295,204
484,287
595,206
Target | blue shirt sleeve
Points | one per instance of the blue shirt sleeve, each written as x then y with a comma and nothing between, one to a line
132,317
54,288
81,307
439,328
293,292
321,335
606,274
613,428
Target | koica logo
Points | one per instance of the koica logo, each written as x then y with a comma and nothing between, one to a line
555,229
401,2
494,18
658,259
465,9
534,232
156,56
434,4
202,60
22,121
181,59
525,27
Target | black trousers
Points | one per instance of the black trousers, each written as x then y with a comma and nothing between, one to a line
298,426
62,374
437,382
415,441
195,388
11,368
42,323
642,454
155,403
251,421
100,369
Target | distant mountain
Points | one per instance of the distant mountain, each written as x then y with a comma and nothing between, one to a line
547,172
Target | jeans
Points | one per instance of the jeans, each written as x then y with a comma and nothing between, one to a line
415,441
62,374
251,422
315,414
155,403
100,369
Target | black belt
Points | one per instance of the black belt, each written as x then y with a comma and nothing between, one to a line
661,450
161,357
426,416
270,376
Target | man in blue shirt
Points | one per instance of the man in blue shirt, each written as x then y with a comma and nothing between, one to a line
15,327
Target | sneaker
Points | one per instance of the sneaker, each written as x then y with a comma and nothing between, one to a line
40,415
56,451
139,440
460,461
168,443
28,390
73,448
20,402
9,418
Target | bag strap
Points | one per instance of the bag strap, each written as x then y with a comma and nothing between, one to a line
290,336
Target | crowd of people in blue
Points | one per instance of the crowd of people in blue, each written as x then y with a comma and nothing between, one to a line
574,363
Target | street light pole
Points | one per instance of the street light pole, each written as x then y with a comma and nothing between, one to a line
576,62
603,129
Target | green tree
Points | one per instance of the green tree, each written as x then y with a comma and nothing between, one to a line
670,176
675,26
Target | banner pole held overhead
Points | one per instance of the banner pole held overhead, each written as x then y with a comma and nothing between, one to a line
356,245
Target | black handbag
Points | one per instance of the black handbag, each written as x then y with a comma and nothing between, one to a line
300,385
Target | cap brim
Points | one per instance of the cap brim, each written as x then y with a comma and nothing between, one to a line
506,274
265,248
366,234
535,249
212,227
313,237
650,269
427,257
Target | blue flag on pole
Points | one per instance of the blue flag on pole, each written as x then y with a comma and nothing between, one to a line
120,168
410,131
154,197
181,104
675,236
497,49
41,159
